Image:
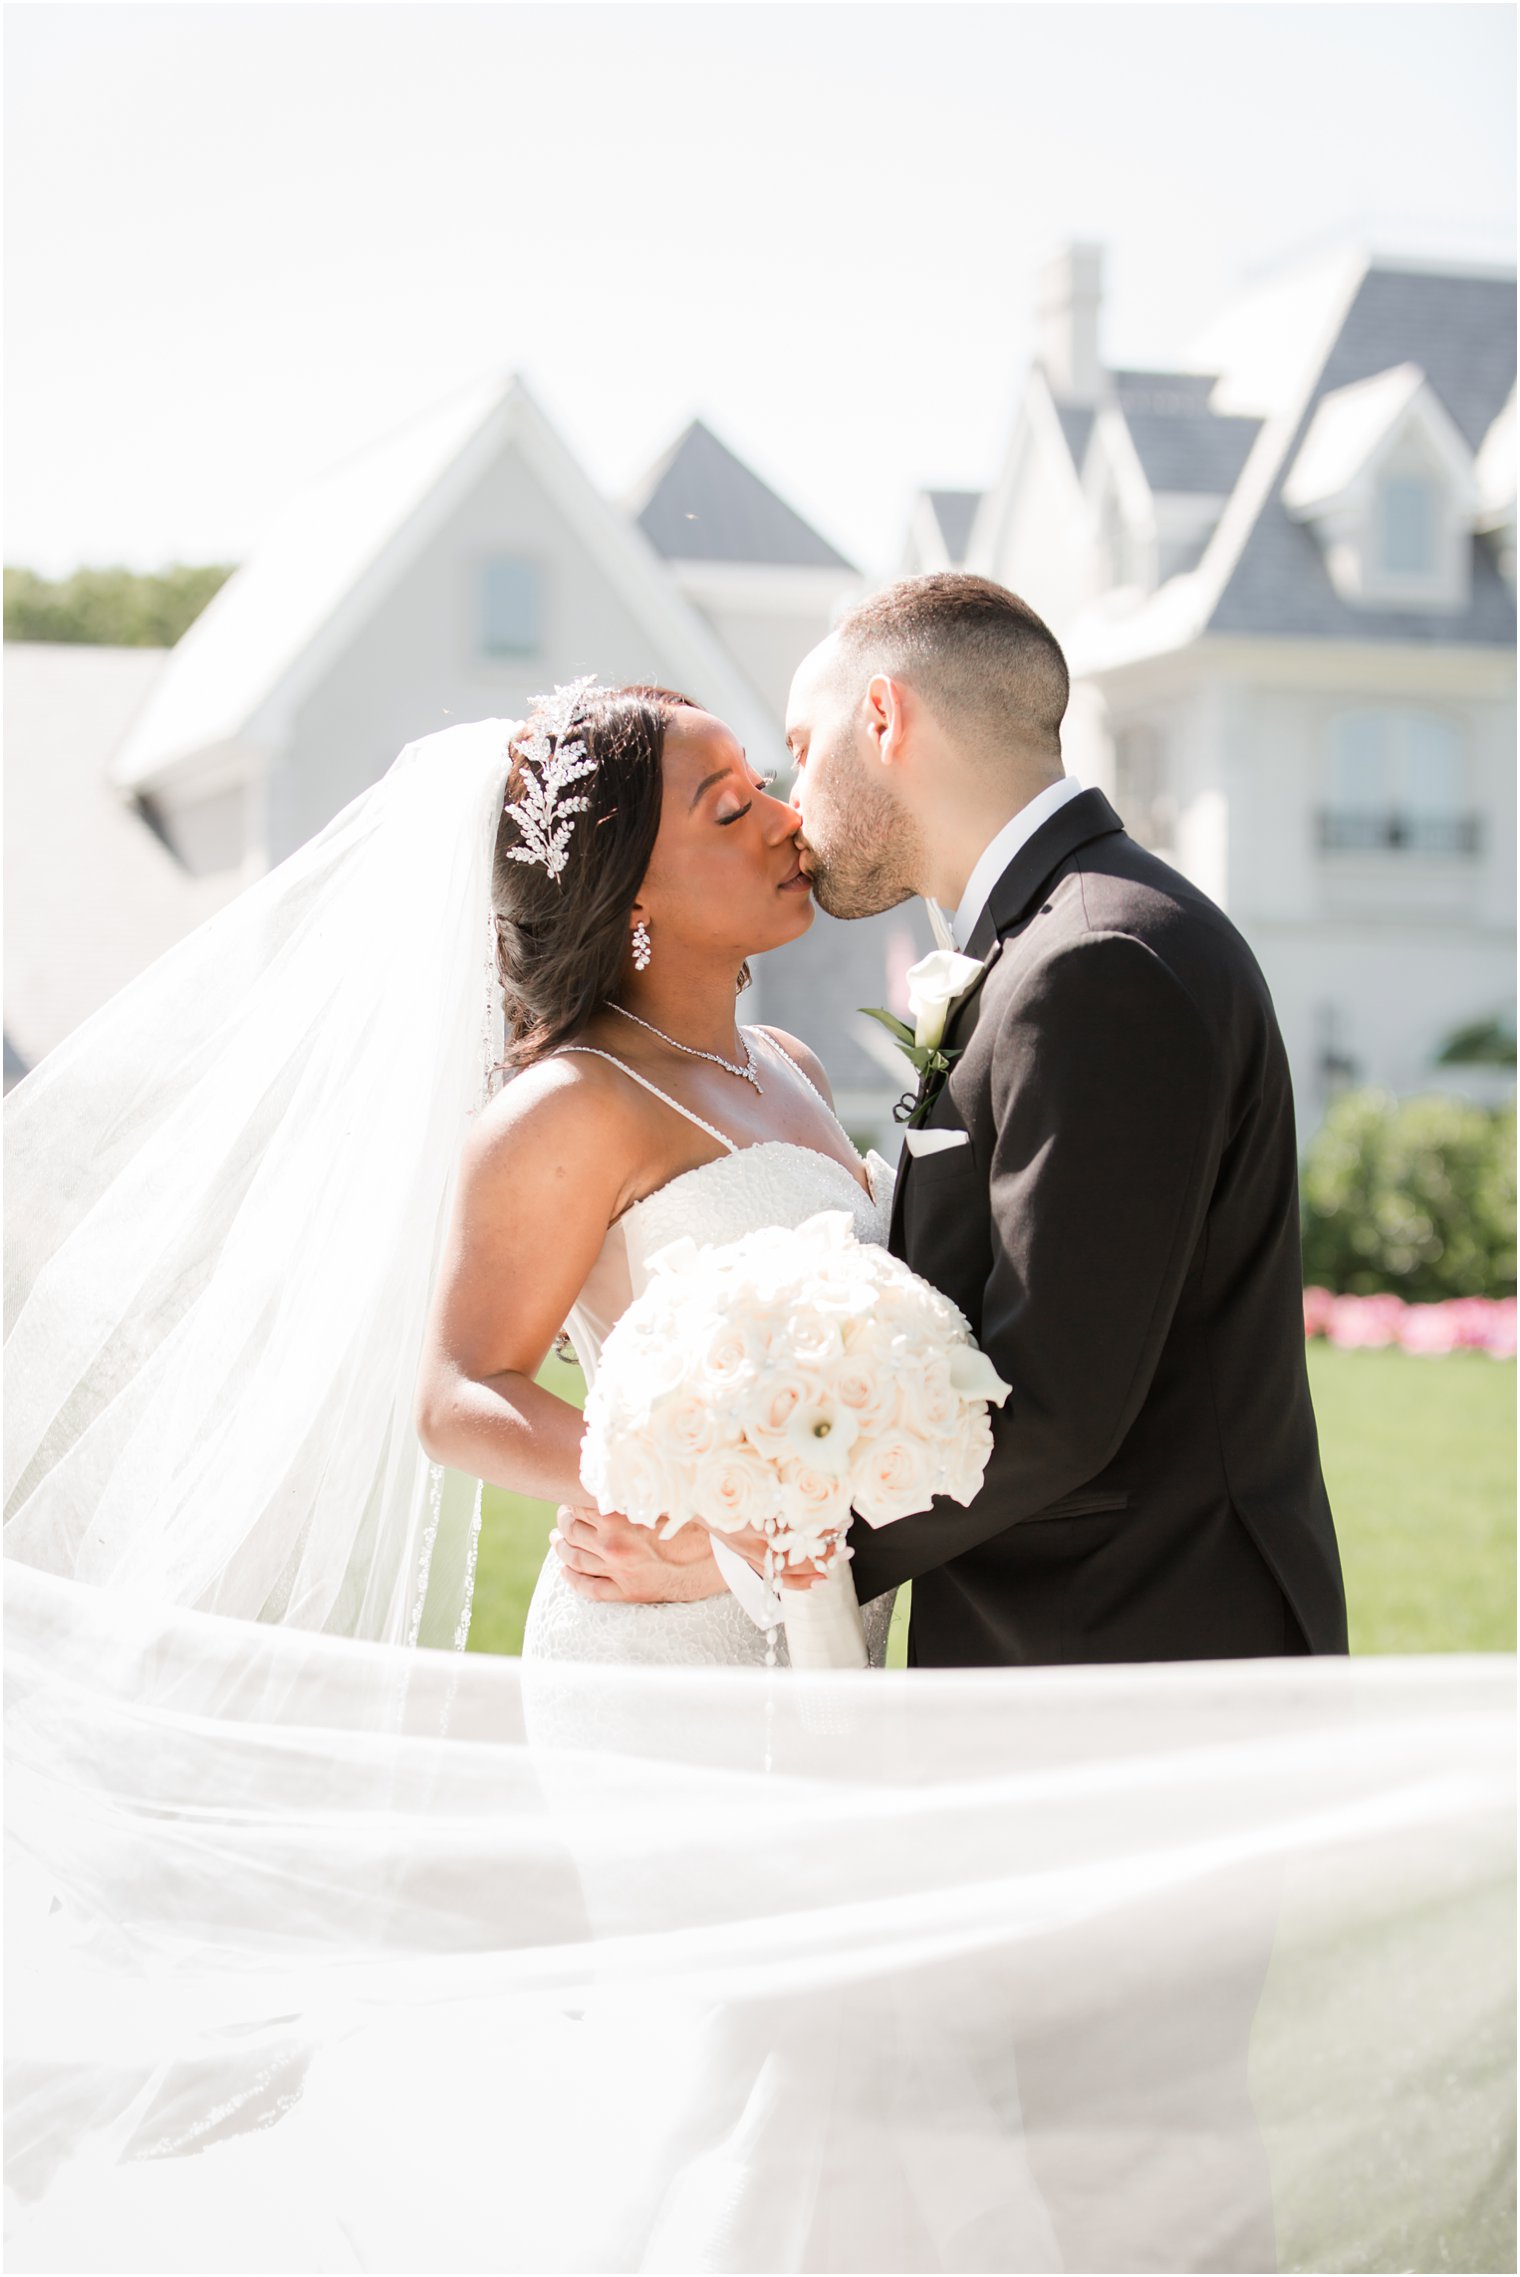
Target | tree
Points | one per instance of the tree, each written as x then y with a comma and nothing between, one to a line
1482,1043
111,608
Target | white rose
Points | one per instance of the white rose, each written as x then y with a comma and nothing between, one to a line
771,1404
868,1392
689,1426
814,1503
931,1407
628,1473
969,1457
730,1358
933,985
897,1477
812,1338
643,1361
735,1489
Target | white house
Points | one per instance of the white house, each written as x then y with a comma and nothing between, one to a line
1284,581
92,895
450,572
1283,574
1284,578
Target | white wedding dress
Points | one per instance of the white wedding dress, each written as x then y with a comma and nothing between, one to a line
774,1183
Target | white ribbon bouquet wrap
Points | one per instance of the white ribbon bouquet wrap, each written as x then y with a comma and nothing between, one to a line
779,1383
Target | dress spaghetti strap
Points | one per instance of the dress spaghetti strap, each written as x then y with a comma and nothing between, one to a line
782,1053
592,1052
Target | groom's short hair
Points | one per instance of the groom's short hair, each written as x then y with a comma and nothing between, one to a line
983,662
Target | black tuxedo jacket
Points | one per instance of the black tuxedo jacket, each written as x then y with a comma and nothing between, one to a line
1121,1229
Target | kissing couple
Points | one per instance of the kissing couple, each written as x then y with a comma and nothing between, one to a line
1100,1168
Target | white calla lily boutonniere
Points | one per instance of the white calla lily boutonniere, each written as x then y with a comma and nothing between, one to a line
935,983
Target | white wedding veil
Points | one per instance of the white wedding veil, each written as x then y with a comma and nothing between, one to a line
331,1946
225,1196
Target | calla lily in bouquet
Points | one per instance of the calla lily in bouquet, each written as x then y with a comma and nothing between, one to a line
778,1384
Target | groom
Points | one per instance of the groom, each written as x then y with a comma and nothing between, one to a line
1105,1180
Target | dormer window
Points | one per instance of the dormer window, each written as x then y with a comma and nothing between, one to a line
1408,519
1386,482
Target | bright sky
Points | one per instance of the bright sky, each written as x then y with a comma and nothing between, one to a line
243,239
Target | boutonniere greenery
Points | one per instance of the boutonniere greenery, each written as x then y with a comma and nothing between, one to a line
934,984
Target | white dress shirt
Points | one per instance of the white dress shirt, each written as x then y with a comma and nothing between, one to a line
994,860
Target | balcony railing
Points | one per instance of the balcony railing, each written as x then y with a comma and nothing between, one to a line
1459,835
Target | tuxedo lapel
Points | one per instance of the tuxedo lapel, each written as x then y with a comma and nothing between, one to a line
1082,819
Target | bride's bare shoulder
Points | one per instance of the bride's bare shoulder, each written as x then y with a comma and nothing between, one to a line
566,1112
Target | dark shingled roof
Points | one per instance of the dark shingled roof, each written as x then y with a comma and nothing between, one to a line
703,504
1461,332
1076,425
955,511
1180,443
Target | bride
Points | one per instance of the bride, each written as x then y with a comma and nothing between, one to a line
639,1112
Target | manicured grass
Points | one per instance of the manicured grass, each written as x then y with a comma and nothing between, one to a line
1419,1456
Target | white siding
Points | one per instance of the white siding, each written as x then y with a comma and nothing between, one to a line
415,665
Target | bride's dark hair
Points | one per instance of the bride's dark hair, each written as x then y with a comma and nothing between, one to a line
561,942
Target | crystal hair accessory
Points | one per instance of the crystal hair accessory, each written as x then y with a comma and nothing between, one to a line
542,813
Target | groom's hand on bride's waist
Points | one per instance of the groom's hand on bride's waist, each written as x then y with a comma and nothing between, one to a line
608,1557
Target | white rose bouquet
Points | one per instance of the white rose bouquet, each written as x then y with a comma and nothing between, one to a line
776,1384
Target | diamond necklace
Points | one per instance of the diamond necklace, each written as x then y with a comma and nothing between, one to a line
747,1072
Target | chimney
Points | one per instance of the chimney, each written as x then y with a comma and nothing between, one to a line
1070,292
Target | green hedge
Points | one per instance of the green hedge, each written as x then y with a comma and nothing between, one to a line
114,608
1417,1197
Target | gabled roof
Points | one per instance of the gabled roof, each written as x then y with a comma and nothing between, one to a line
1076,425
1350,425
330,558
955,511
701,503
317,557
1459,329
1181,444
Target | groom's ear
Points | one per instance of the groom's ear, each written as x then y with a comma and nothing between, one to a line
888,708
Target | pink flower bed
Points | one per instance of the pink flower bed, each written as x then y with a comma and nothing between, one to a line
1461,1324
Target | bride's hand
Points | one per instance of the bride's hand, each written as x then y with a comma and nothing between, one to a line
752,1545
607,1557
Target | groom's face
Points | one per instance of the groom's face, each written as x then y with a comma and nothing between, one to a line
855,837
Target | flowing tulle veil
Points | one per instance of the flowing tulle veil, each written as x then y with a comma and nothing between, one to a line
327,1950
224,1199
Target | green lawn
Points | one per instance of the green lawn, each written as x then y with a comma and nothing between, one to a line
1420,1460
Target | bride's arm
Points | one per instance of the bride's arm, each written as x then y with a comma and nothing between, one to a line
543,1172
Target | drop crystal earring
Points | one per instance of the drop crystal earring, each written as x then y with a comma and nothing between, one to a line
641,948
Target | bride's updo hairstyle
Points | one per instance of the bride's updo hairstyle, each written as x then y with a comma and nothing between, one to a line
561,942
